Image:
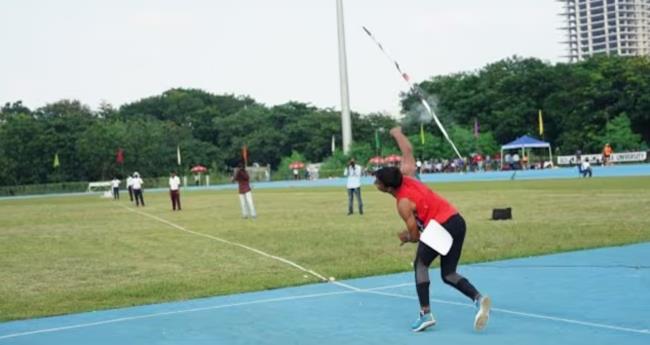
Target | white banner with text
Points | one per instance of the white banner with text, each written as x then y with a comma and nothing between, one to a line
623,157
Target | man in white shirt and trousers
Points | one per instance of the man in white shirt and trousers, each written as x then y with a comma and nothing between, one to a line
137,189
353,172
116,188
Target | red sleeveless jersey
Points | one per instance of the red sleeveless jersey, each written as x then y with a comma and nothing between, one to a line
428,204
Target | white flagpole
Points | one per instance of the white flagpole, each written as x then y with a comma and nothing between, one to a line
346,121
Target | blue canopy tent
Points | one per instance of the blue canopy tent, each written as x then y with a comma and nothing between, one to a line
525,142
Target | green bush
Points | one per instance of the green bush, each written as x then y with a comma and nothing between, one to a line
46,188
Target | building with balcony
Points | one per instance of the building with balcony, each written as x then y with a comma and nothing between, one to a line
612,27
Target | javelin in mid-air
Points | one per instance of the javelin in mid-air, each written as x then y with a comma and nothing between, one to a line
416,90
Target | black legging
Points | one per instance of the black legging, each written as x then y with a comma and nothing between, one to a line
137,194
448,263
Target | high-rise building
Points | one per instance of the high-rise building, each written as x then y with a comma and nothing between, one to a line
612,27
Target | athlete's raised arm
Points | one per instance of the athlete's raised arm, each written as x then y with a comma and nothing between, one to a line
408,161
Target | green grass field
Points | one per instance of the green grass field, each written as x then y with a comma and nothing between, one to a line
79,253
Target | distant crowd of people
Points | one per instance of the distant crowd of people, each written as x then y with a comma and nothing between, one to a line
476,163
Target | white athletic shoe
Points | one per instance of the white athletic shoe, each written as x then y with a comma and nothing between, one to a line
483,314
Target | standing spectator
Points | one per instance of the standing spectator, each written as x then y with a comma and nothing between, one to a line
578,161
516,161
296,176
438,167
496,162
585,168
508,160
137,189
478,162
428,166
116,188
174,191
129,186
245,194
353,172
607,153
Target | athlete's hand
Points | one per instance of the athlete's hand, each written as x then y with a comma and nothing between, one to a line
404,237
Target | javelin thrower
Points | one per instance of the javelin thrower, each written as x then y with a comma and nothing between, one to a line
437,228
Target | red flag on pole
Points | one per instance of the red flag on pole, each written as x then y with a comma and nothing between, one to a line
244,154
119,157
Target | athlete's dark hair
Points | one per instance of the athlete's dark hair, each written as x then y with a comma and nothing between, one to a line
389,177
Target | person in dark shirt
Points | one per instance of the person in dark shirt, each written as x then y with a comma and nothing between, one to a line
245,194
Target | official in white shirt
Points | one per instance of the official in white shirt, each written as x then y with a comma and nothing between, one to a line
116,188
174,191
137,189
353,172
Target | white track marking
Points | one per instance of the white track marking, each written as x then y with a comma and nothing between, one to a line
518,313
192,310
254,250
575,322
175,312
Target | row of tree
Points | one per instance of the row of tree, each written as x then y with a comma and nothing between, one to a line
584,105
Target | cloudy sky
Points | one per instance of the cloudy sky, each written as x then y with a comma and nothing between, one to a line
274,51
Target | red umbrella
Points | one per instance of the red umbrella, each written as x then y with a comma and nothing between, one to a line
296,165
393,159
376,160
199,169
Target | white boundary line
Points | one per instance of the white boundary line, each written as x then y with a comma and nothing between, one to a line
351,289
518,313
183,311
257,251
192,310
